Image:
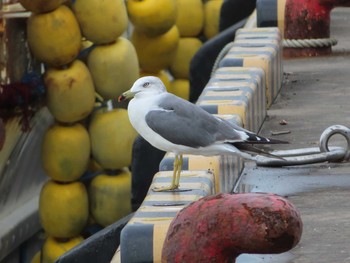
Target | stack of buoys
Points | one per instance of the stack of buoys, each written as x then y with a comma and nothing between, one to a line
189,21
168,33
212,9
113,63
54,38
112,137
112,60
55,32
85,54
154,35
197,21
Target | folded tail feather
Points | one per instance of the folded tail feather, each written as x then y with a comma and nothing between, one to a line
254,150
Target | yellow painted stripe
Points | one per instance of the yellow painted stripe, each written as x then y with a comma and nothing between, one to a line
241,110
274,62
281,4
233,93
175,197
199,162
273,56
239,69
147,208
259,32
258,49
220,75
239,79
252,106
234,118
221,102
278,48
116,257
265,63
159,235
153,220
257,83
165,174
193,185
220,84
202,174
271,41
229,107
210,163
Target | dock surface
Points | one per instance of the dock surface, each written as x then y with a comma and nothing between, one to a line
314,96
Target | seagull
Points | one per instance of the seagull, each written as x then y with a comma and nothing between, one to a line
175,125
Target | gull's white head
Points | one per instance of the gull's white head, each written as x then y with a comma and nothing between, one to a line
143,87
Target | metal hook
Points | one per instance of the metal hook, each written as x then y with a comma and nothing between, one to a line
329,132
312,155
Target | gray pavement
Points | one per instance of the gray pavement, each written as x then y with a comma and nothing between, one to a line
315,95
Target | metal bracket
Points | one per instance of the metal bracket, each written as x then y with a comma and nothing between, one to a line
312,155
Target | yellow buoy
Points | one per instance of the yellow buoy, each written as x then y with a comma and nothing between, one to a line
112,137
156,53
93,166
65,152
152,17
53,248
114,67
41,6
181,88
36,257
63,208
54,37
187,48
190,17
70,92
212,9
110,197
101,22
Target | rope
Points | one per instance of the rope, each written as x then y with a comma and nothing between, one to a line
220,56
309,43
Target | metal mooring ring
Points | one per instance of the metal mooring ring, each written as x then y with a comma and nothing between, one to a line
329,132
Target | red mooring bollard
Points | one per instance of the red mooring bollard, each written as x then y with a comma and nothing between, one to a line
221,227
309,19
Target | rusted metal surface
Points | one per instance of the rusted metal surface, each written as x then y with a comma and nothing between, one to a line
19,88
221,227
309,20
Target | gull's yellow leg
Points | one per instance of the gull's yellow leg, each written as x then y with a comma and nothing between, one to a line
176,164
176,173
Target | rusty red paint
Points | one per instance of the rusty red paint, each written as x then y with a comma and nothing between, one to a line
306,20
221,227
16,96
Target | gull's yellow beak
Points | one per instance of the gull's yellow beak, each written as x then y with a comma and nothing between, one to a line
126,95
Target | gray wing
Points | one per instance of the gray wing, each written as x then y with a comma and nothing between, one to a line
184,123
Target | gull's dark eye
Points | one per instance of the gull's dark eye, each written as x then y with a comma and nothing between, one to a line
145,85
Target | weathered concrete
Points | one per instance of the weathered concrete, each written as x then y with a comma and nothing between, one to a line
315,95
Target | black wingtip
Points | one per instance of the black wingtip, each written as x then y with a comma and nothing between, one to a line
256,139
276,141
